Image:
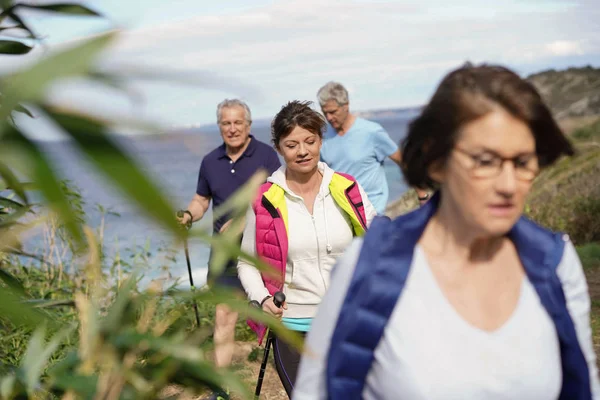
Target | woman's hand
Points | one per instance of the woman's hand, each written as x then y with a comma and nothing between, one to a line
270,308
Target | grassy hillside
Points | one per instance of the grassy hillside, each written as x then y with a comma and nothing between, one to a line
566,197
574,92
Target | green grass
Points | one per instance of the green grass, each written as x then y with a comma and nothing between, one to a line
589,255
590,132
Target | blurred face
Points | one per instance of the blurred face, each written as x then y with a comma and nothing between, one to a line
335,114
300,150
489,173
234,128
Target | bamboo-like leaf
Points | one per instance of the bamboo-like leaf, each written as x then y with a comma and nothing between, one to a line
64,8
31,84
44,177
40,303
12,182
12,308
5,28
106,154
21,109
11,282
13,218
6,202
14,47
216,296
9,12
37,355
115,314
7,386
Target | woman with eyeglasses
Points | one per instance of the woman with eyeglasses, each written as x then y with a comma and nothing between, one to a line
463,298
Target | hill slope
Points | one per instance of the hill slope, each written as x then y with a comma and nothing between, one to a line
574,92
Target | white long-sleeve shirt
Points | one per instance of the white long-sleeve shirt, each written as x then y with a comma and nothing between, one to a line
429,352
314,244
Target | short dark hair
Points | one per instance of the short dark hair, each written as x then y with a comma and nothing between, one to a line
464,95
293,114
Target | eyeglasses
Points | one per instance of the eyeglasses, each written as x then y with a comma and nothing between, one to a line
489,165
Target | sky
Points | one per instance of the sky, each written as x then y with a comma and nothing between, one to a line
387,53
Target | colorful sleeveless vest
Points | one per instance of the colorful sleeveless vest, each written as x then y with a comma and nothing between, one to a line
272,226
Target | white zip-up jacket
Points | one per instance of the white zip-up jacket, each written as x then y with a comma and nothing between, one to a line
314,244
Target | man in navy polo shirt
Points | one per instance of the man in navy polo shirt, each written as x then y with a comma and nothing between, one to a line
222,172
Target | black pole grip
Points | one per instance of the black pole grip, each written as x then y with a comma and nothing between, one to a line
278,299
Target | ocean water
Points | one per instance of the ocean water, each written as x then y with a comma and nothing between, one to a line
172,161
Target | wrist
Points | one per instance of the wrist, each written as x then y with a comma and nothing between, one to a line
188,212
265,299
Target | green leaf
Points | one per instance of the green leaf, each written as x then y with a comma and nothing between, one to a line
13,47
64,8
37,355
38,303
6,202
31,84
12,308
12,182
6,4
41,172
116,165
23,110
9,12
114,317
5,28
7,386
12,218
11,281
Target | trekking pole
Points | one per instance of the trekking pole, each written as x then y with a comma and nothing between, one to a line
278,299
180,214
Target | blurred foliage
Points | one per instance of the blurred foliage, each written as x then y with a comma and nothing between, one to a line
76,322
566,196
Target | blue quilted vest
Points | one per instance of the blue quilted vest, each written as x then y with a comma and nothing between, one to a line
379,278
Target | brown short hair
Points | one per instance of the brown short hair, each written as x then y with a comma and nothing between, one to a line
464,95
293,114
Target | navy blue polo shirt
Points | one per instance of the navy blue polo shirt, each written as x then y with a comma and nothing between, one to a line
220,177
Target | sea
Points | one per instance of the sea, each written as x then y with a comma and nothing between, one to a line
172,162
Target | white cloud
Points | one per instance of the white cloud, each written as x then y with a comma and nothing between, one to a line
565,48
389,53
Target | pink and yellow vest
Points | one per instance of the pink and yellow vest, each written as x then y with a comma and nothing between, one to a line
272,226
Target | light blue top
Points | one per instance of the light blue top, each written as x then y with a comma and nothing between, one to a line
360,152
297,324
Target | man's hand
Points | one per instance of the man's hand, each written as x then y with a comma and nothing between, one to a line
423,196
184,217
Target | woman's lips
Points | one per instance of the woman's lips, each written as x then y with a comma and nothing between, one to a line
501,210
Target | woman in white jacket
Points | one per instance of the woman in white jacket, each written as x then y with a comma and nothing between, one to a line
303,219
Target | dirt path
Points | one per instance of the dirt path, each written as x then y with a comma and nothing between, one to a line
248,370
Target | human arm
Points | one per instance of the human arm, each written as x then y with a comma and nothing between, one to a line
201,200
311,380
197,207
422,194
570,273
249,275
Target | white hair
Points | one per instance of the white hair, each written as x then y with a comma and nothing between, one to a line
333,91
229,103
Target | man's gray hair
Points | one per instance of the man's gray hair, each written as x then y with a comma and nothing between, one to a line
229,103
333,91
